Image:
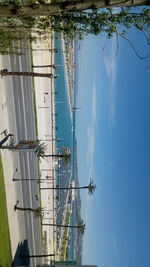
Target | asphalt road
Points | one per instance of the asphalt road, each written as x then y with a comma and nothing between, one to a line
25,162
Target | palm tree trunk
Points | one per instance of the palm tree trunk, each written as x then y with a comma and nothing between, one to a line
62,225
16,149
33,74
64,188
54,156
24,209
54,8
45,66
7,147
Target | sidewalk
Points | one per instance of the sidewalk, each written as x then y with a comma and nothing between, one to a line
44,91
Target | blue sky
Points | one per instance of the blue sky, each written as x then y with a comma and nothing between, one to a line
113,135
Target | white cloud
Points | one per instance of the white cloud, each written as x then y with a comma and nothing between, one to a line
90,148
91,132
94,99
111,71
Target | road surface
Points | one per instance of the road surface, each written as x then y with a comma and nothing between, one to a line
22,125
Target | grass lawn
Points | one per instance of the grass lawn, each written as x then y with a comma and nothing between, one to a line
5,249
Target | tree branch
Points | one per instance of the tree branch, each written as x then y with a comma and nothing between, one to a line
133,47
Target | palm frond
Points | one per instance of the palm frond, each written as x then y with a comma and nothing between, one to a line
91,187
41,150
82,227
65,151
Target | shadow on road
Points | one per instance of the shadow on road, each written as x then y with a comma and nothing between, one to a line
21,256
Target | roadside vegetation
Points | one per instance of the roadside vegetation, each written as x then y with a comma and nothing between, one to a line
64,248
5,248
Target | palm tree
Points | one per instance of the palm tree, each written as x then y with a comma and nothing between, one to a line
26,73
80,226
40,152
91,187
37,211
65,154
47,66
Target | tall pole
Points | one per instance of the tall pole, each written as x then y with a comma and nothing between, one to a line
36,256
48,178
32,179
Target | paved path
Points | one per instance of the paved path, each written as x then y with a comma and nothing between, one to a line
44,89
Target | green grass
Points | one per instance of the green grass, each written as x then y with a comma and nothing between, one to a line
5,249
